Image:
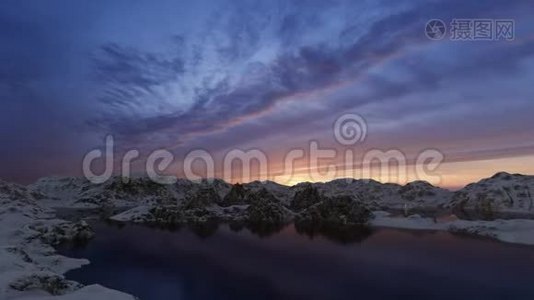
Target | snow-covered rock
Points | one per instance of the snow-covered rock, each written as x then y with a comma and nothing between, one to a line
51,283
503,195
280,192
423,194
517,231
386,196
72,192
29,265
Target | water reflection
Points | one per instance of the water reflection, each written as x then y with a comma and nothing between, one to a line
240,261
338,234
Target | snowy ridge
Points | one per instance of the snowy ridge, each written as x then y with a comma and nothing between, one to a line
489,198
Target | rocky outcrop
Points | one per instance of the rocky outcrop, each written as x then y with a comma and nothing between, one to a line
281,192
418,195
474,231
139,187
201,197
78,192
335,212
424,195
374,194
501,196
71,192
61,188
51,283
237,196
176,215
340,218
265,208
10,192
305,196
62,231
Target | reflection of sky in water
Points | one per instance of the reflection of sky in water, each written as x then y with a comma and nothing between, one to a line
158,264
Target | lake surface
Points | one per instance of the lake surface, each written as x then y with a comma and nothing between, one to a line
232,263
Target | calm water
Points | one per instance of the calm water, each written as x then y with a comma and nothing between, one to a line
220,263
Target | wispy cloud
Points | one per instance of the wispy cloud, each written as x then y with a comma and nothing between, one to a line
257,72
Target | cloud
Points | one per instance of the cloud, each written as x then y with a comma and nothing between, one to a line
303,68
131,73
244,73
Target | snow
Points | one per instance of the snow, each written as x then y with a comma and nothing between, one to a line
384,219
501,194
90,292
26,260
132,214
517,231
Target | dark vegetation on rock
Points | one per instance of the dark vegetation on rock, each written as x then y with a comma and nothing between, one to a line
335,212
79,233
416,190
203,197
53,284
264,208
237,196
306,197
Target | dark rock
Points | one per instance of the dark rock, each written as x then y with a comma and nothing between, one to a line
265,208
306,197
56,234
203,197
53,284
139,187
236,196
336,211
165,215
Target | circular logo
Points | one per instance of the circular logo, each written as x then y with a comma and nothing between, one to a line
435,29
350,129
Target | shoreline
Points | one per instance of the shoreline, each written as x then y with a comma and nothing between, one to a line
30,266
517,231
510,231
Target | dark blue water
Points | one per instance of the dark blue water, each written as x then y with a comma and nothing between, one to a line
219,263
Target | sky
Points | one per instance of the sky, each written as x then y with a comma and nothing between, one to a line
266,75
